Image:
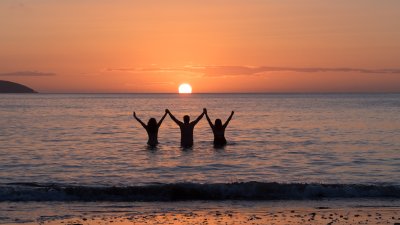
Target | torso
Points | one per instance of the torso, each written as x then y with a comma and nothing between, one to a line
187,135
219,137
153,137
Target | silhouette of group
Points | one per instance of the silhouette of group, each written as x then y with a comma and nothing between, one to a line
187,128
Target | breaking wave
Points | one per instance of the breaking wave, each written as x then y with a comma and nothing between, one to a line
194,191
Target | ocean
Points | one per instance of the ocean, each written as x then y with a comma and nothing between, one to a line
88,147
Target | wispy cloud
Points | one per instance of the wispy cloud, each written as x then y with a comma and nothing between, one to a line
246,70
218,71
130,70
158,83
150,84
27,74
145,69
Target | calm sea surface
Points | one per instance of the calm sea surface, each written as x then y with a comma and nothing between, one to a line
92,139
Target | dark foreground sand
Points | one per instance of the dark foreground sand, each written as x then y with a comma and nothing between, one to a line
289,212
318,216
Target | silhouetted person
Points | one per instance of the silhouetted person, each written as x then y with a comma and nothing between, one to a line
187,128
218,129
151,128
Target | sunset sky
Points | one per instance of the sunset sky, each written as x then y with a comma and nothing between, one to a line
216,46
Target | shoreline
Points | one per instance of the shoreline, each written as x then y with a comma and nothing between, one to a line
325,216
358,211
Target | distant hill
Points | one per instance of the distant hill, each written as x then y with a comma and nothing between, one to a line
11,87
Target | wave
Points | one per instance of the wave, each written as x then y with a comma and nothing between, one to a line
195,191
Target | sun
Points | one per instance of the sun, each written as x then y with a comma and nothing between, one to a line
185,89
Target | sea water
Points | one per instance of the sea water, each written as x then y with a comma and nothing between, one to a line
61,147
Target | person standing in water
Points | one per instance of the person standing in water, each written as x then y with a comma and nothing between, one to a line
151,128
187,128
218,129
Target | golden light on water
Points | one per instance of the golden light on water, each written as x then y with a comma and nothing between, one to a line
185,89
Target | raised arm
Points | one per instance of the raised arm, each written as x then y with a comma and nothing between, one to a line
143,124
198,119
161,120
208,118
173,117
228,120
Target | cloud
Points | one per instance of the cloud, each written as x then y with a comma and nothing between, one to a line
159,83
144,70
218,71
27,74
19,6
150,84
130,70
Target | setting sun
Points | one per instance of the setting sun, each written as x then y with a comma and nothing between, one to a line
185,89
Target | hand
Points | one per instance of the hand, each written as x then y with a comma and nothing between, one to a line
233,112
134,114
204,110
167,111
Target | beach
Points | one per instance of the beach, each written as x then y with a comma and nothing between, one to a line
230,212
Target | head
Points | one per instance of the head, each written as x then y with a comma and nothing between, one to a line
152,124
186,119
218,123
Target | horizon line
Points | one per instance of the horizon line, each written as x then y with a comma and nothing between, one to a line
341,92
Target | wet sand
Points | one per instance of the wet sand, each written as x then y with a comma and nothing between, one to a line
326,212
321,215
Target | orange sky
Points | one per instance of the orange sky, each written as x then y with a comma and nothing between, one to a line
216,46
